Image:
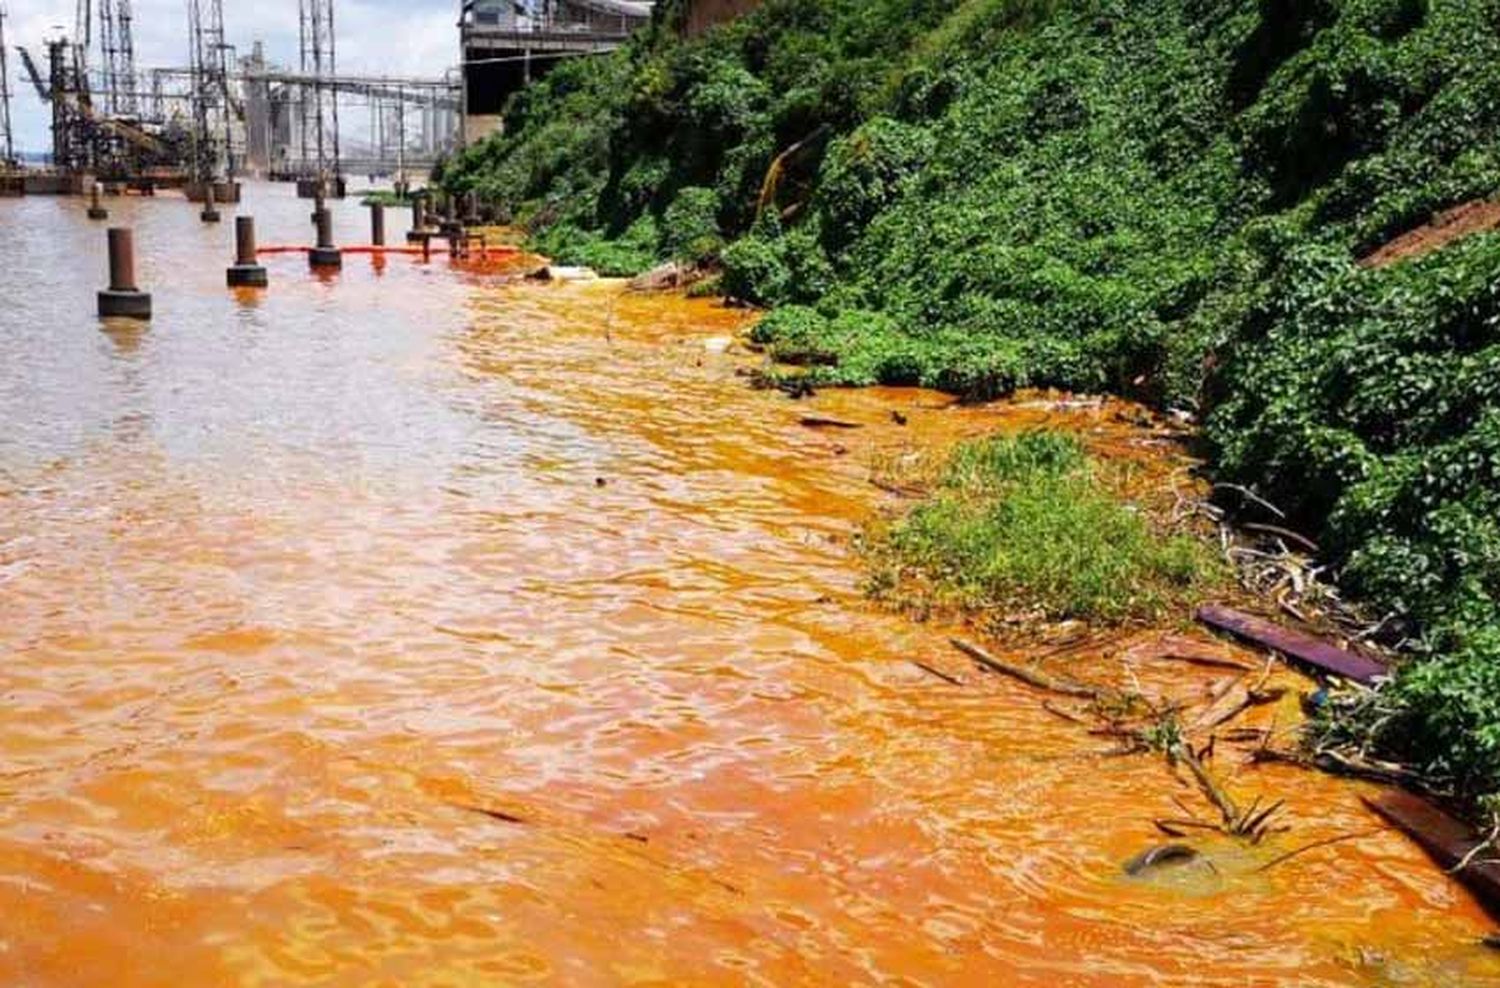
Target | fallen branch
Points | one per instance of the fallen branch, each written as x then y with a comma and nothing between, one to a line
1313,847
1063,714
1340,763
1285,533
499,815
1168,826
896,489
1251,495
1208,661
1030,677
1216,795
937,672
819,422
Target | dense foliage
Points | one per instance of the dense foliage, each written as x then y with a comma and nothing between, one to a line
1166,198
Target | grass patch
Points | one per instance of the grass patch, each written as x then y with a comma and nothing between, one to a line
1030,527
389,197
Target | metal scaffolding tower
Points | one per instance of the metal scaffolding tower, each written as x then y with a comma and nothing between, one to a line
74,139
209,68
7,140
117,46
319,126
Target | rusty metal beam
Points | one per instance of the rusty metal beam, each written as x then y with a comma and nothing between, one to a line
1311,651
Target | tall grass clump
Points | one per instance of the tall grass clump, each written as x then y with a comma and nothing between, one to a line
1028,527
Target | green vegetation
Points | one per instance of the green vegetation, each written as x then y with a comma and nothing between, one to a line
1163,198
388,197
1030,526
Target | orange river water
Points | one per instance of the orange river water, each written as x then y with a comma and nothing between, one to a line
423,626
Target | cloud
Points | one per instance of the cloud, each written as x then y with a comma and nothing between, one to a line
375,37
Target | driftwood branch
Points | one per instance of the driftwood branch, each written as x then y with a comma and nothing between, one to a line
952,681
1030,677
1315,846
1216,795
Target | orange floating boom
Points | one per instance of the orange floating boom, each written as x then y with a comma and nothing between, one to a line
501,250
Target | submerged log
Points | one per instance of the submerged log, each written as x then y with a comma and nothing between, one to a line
1030,677
1159,856
1448,841
1315,652
819,422
1222,801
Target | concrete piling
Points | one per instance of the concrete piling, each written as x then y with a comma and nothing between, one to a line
96,207
123,299
418,232
325,254
377,224
210,212
246,272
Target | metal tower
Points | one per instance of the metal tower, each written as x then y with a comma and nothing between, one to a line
320,106
209,70
117,46
7,142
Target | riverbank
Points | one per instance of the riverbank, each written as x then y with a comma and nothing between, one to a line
1169,201
424,624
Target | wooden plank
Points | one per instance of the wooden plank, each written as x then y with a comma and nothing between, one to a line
1320,654
1446,839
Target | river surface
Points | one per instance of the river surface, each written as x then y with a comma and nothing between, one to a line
423,626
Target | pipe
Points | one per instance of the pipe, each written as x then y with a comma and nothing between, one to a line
96,208
122,260
244,239
122,299
325,254
210,214
245,272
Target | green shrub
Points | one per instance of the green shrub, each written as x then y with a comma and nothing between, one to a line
755,272
690,226
1025,525
866,172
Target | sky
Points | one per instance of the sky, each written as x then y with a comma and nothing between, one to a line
375,37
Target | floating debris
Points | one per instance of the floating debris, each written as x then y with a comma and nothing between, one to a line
1449,842
1315,652
1157,857
819,422
556,272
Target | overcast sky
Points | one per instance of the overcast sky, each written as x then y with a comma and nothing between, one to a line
378,37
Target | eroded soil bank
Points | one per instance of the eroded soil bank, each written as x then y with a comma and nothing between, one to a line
425,628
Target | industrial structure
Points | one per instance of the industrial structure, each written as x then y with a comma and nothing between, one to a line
318,165
223,116
212,138
7,138
508,43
